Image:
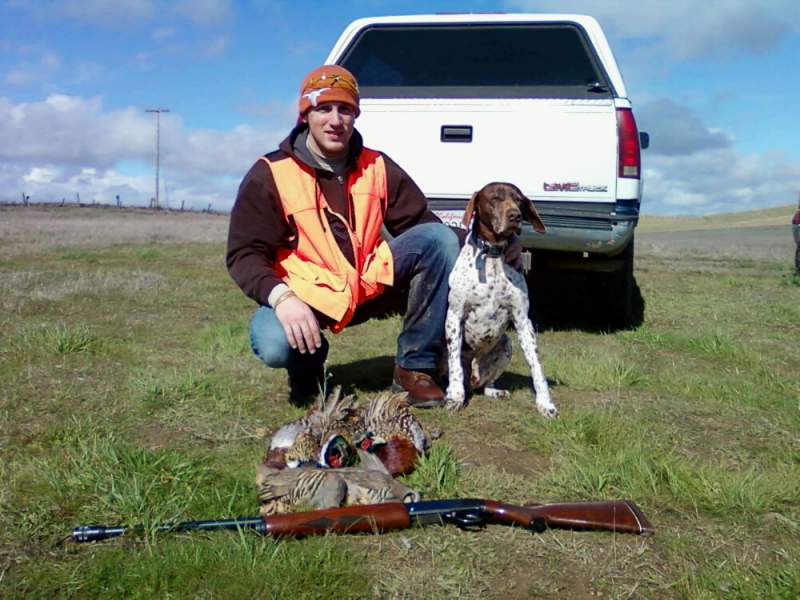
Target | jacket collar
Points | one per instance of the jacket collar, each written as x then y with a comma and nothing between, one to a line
288,146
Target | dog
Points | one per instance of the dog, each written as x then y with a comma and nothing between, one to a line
487,295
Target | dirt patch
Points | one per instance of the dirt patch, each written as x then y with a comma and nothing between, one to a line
485,450
501,457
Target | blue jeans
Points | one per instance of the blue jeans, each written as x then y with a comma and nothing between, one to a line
423,258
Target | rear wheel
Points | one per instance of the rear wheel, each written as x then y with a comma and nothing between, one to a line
619,287
601,293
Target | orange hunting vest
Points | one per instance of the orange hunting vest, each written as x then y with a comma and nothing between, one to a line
317,270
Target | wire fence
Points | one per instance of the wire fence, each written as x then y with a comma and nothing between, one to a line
117,202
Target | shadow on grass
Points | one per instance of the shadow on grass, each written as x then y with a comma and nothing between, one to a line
370,374
566,300
375,374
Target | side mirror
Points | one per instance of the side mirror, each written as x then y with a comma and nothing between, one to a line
644,140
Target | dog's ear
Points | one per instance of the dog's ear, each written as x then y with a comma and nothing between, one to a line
469,210
529,212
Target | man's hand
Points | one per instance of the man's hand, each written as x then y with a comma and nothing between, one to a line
300,324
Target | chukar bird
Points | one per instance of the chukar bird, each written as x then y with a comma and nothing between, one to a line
286,490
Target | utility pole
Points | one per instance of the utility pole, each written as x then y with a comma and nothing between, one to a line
158,112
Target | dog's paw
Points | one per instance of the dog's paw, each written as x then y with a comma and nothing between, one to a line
455,399
493,392
454,405
547,409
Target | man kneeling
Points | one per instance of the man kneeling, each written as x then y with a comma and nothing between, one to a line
326,233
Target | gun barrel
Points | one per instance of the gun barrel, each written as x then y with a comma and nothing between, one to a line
93,533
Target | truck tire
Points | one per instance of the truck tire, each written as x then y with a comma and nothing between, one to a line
620,288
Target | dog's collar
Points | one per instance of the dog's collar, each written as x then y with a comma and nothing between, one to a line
485,249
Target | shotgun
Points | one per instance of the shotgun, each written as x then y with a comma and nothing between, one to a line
621,516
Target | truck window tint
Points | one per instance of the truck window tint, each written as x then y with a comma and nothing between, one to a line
499,60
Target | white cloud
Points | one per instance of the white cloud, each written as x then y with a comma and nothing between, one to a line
278,111
675,129
162,33
87,71
717,180
48,69
683,29
39,175
115,13
206,13
692,168
65,145
51,60
214,47
27,73
70,129
122,14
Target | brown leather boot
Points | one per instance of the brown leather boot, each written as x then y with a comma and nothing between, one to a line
422,389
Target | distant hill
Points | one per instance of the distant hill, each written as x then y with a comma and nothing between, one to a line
764,217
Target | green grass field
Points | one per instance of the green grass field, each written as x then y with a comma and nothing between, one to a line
128,394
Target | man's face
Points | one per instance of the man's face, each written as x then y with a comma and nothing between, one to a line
331,127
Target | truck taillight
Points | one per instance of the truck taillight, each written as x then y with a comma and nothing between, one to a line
630,162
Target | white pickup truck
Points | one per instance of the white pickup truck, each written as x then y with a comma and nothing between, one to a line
459,100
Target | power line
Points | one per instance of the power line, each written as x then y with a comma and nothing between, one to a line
158,112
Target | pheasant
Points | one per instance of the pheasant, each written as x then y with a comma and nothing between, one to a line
288,490
393,433
323,437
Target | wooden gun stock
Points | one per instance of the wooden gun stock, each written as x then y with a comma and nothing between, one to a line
622,516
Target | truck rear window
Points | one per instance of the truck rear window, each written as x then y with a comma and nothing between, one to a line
467,61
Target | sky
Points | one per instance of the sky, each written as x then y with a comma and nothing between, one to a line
715,84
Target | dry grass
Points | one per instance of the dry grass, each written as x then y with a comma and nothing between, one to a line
33,229
763,217
18,288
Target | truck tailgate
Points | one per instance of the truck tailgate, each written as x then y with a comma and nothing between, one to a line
559,150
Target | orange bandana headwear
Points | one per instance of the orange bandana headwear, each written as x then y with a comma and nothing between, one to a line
328,83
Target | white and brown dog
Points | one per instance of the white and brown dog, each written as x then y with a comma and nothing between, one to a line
486,295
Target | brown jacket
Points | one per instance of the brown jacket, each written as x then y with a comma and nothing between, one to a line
258,225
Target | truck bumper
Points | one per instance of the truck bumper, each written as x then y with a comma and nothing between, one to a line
598,228
601,228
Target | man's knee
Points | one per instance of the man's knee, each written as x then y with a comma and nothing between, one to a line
442,239
268,340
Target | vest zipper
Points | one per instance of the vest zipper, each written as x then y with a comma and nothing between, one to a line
317,194
348,201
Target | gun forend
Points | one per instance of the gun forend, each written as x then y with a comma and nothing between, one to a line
375,518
